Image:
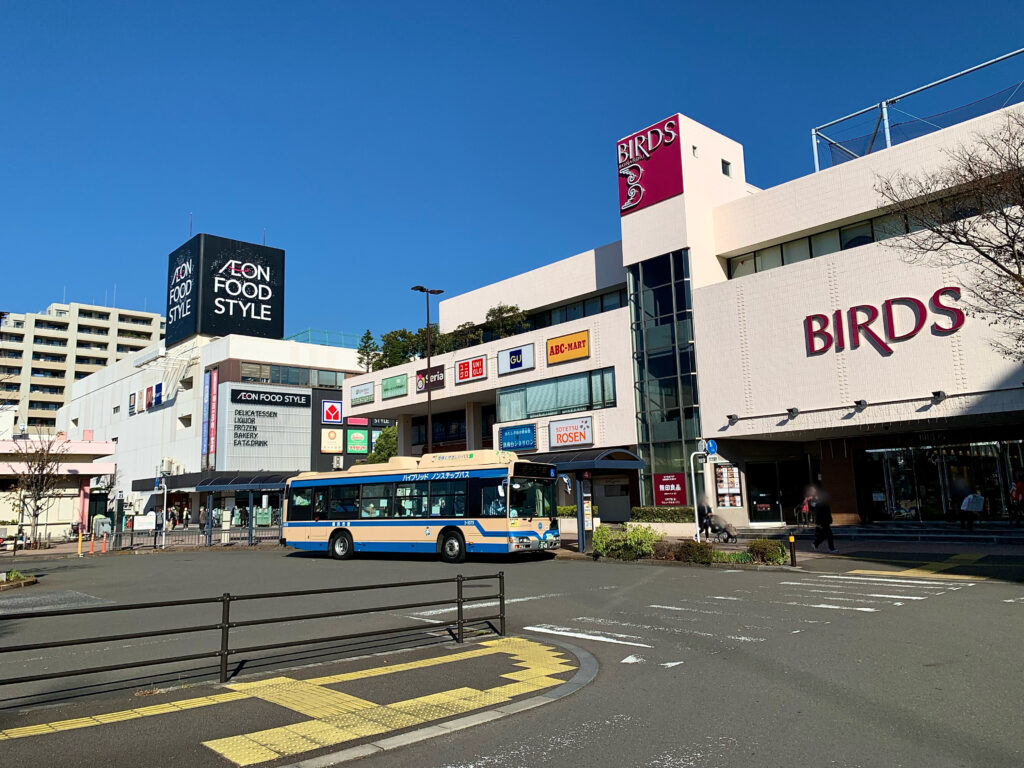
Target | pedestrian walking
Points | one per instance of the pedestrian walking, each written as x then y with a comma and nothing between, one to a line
185,515
819,507
202,516
973,503
704,516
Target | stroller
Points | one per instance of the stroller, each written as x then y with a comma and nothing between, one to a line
722,530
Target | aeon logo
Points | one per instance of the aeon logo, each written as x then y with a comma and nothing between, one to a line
245,269
638,149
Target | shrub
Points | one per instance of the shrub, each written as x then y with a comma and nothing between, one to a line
664,550
638,542
570,511
661,514
722,556
602,541
768,551
694,552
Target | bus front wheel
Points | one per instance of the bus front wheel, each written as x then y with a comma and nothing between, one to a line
453,547
341,546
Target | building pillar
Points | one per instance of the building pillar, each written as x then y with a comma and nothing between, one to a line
474,425
405,435
83,503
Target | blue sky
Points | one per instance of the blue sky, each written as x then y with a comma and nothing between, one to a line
388,144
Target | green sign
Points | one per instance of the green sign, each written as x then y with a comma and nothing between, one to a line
395,386
362,393
262,515
357,441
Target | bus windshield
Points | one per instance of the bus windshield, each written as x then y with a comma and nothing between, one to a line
531,497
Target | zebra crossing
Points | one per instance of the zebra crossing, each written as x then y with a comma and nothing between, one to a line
725,619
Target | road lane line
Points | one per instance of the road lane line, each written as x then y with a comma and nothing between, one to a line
826,605
845,599
919,582
548,629
858,582
484,604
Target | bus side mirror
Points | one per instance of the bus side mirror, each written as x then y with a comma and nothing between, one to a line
567,481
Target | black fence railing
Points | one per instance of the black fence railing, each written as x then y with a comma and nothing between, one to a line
456,625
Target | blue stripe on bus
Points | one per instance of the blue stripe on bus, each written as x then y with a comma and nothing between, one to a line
418,477
424,547
423,521
310,546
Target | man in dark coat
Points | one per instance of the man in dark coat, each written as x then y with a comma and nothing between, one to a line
822,513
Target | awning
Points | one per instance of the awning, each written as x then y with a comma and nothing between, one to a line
592,459
209,482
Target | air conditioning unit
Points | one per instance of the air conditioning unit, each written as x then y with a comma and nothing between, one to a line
167,466
338,462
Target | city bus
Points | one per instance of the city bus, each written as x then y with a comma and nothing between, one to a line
448,504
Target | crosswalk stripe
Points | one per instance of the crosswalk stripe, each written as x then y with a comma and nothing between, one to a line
931,584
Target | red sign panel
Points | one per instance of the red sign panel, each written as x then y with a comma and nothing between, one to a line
650,166
670,490
471,370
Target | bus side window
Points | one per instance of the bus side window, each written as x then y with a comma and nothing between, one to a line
376,501
320,504
344,502
448,498
492,503
411,499
300,508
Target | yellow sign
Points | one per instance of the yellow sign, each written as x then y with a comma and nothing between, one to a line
331,440
574,346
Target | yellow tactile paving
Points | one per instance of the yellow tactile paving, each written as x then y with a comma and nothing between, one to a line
338,717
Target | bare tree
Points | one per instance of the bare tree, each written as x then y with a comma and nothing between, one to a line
36,466
968,215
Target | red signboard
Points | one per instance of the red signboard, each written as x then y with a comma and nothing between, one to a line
670,490
214,380
650,166
471,370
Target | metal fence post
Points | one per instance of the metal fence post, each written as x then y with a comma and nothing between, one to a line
460,622
501,602
225,620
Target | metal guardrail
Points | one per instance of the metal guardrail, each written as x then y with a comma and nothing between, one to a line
226,625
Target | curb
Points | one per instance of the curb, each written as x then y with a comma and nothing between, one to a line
578,558
586,672
151,551
18,584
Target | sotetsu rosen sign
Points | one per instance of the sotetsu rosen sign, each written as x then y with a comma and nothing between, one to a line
650,166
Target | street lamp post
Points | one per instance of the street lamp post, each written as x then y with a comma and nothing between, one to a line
427,293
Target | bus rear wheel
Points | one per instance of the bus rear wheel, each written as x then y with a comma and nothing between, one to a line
341,546
453,547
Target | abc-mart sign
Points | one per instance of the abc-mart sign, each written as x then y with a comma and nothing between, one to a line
650,166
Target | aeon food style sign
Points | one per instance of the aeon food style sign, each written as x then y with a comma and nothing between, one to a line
650,166
897,319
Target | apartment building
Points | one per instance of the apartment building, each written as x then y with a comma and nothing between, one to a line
43,353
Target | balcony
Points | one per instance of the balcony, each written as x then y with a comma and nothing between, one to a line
49,341
92,330
134,320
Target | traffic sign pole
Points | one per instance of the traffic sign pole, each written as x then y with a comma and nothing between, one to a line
693,485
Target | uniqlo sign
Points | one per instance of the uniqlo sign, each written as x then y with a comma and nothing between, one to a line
670,490
650,166
473,369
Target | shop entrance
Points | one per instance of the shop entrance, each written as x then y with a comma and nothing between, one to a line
930,482
774,488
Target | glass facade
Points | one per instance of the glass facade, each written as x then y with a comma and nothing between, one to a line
668,414
577,392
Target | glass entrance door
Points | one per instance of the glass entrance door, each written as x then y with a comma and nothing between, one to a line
763,492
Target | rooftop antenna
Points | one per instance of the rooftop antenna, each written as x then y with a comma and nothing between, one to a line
114,303
190,225
264,235
64,300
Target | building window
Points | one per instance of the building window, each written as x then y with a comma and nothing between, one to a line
727,168
117,409
589,391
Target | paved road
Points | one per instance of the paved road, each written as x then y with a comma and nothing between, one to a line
890,661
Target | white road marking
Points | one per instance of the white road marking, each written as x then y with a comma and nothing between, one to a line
748,616
868,594
723,597
670,664
832,607
633,659
932,584
420,618
839,585
1015,600
485,604
548,629
844,599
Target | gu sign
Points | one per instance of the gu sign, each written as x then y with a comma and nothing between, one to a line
650,166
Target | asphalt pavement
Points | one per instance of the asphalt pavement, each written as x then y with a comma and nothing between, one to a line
876,658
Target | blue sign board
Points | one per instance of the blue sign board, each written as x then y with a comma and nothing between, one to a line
522,437
712,447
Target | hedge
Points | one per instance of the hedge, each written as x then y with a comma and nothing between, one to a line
661,515
570,511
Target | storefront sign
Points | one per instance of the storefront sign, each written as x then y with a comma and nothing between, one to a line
394,386
521,437
574,346
356,421
259,397
473,369
331,412
670,490
650,166
214,381
131,405
430,378
515,360
238,286
361,394
569,432
842,329
331,441
357,441
206,417
382,423
727,486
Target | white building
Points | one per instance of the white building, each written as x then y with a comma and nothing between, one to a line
43,353
730,333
